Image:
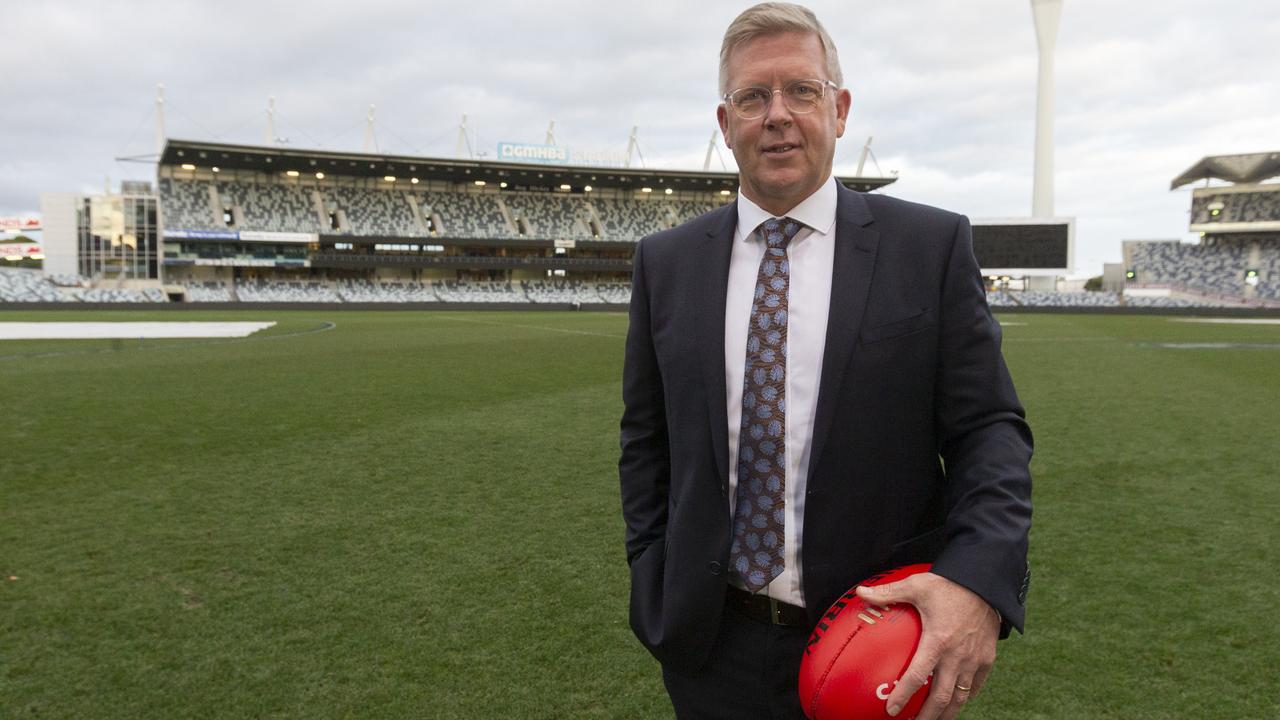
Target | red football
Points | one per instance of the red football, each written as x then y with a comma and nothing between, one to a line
857,653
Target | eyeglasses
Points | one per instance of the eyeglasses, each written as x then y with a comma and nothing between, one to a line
799,96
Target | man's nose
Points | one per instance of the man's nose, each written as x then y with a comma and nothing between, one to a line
777,115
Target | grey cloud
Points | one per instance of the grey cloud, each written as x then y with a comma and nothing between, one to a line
948,89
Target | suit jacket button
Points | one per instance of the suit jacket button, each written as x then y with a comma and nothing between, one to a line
714,567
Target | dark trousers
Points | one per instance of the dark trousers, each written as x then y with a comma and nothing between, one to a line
751,674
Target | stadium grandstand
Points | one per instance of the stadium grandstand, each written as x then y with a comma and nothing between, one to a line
1237,258
226,223
241,223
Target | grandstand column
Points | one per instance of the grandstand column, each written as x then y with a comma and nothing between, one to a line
215,206
415,207
506,215
317,203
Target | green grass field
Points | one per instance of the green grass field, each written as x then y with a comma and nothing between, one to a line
416,515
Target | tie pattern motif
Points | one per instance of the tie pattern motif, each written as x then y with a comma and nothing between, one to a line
759,509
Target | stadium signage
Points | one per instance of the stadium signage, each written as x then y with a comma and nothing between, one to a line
245,236
251,262
201,234
280,237
545,154
19,251
19,224
557,155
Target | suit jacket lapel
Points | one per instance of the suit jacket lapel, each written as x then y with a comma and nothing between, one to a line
712,278
851,272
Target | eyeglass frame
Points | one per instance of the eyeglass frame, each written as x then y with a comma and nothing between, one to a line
727,98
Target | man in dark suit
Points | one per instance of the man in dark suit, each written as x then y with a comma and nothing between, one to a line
813,392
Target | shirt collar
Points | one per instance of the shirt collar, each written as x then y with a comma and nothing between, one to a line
818,211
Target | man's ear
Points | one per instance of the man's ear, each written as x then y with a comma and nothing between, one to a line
722,117
844,100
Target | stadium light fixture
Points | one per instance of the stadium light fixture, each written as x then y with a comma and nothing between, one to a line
502,184
389,178
319,176
646,190
586,188
566,187
413,180
479,183
291,173
188,166
726,193
215,168
668,191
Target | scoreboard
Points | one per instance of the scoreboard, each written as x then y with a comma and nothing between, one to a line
1024,244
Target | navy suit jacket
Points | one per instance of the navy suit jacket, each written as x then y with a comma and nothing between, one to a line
920,448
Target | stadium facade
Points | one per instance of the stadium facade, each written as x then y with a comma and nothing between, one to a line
263,223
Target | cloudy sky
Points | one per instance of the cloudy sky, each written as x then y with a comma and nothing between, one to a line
947,88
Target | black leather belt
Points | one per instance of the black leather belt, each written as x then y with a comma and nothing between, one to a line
765,609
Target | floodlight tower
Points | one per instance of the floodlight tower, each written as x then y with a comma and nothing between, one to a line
1047,14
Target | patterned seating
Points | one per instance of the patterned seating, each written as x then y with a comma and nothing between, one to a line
386,213
1216,267
22,285
271,207
390,212
186,205
210,291
290,291
479,292
550,216
1236,207
467,215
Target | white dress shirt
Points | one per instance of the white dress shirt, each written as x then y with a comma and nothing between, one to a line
811,253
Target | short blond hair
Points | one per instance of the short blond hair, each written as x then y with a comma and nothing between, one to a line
772,18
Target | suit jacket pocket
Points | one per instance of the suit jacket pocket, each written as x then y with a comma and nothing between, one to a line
897,328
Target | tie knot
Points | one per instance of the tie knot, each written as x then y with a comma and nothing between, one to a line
778,232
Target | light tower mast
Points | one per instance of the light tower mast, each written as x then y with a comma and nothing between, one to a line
1047,14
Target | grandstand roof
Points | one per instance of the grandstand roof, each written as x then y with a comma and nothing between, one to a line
279,159
1248,168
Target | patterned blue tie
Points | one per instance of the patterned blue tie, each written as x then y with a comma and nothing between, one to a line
759,510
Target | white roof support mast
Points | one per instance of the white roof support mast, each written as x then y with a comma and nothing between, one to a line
711,147
159,119
370,142
862,159
631,146
463,143
271,121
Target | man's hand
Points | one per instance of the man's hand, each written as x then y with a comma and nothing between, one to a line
957,645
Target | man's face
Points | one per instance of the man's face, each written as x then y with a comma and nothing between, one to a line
783,157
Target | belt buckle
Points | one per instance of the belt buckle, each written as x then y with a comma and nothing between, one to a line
775,612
